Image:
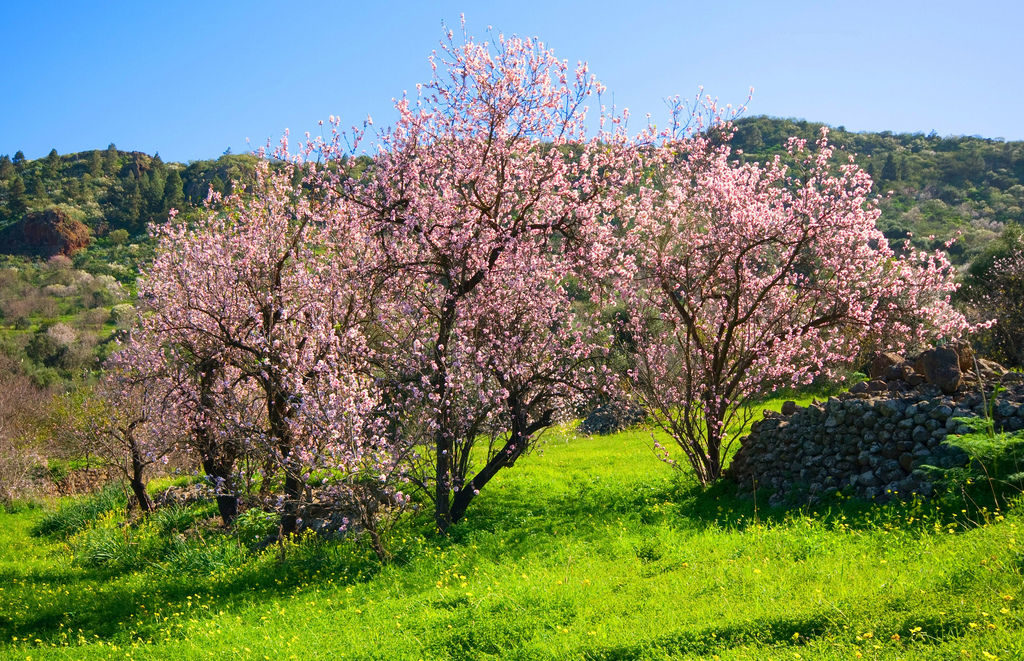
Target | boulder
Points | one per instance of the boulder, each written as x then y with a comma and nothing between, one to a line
965,356
941,368
881,362
790,407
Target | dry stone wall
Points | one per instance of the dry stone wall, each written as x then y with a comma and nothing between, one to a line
873,443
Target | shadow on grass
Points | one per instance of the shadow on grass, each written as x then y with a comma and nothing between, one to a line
108,605
769,632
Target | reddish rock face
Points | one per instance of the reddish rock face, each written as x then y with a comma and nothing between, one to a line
47,233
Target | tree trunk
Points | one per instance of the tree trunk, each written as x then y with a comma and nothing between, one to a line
443,474
137,477
227,500
517,444
138,485
279,410
443,438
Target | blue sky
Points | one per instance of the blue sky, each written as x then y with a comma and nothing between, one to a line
190,79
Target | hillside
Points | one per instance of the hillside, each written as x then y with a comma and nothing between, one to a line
939,185
110,190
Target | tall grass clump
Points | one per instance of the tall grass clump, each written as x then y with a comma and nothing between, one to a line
74,516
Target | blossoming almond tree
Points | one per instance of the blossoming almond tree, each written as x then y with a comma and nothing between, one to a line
262,303
116,421
748,277
484,199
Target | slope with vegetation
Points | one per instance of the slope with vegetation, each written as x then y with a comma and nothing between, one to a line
933,186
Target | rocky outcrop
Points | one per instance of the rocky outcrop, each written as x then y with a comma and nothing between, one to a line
45,233
875,441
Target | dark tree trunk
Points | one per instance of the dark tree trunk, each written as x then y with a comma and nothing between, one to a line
137,478
443,438
279,409
227,500
517,444
138,485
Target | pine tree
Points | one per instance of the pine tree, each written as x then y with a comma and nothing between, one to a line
52,164
174,194
110,159
95,163
16,202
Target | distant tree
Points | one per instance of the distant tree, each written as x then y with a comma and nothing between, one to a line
6,168
750,138
111,159
95,163
118,237
889,170
994,290
17,204
19,159
152,188
174,196
51,164
36,186
131,205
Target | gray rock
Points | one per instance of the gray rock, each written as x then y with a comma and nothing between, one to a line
941,367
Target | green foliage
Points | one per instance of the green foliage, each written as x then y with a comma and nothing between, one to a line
254,526
75,515
113,191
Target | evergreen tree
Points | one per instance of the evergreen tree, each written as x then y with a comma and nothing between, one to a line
6,168
16,203
95,163
174,195
52,164
110,159
889,169
19,159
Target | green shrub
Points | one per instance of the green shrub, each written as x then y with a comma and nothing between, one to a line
995,473
254,526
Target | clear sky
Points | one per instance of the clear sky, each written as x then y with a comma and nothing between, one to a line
190,79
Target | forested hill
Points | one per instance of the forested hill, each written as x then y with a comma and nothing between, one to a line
111,190
939,184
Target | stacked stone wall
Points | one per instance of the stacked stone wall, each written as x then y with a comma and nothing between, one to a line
873,444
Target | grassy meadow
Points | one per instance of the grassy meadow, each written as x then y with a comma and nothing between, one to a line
589,549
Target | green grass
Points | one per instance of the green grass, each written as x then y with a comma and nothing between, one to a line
591,549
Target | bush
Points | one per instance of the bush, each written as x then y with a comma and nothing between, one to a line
254,526
996,470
